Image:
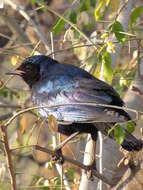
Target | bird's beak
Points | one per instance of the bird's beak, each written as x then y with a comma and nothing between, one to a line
16,72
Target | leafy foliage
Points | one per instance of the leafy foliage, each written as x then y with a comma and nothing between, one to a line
71,173
135,14
130,126
58,26
108,71
119,133
97,12
101,9
7,93
117,28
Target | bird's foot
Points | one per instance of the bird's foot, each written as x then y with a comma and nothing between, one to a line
58,157
89,170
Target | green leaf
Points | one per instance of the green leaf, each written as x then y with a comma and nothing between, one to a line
57,183
70,173
37,1
97,70
33,2
117,28
58,26
92,3
73,17
107,2
110,131
130,126
108,71
84,5
45,188
4,93
119,133
92,60
135,14
97,12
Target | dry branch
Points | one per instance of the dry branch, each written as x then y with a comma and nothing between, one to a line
85,103
14,27
27,17
76,163
8,157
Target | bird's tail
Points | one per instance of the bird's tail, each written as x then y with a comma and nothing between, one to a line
130,142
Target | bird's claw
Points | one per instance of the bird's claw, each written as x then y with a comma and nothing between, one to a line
90,175
58,157
89,171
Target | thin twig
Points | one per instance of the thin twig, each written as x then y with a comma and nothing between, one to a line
121,9
3,84
54,138
14,27
100,154
89,161
8,157
138,58
9,106
70,160
60,167
27,17
70,23
52,44
100,157
87,45
83,103
19,45
5,36
6,116
74,45
34,49
76,163
123,12
63,143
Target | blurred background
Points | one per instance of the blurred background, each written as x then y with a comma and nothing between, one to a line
103,37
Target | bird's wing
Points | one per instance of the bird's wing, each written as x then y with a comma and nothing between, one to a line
75,92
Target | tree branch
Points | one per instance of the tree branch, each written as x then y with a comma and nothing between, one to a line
124,12
27,17
6,116
74,162
8,157
70,23
89,158
85,103
14,27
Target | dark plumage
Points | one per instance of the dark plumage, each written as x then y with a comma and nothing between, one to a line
52,83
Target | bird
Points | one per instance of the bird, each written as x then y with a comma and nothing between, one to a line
79,101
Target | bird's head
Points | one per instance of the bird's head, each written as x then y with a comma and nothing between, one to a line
33,68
